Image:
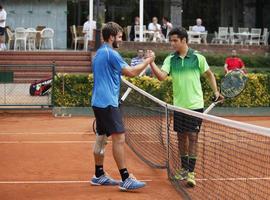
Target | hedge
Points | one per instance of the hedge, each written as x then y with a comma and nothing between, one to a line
212,59
75,90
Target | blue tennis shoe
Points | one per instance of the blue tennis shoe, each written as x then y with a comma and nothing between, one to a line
131,184
103,180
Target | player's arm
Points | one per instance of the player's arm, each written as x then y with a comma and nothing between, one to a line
136,70
160,74
213,84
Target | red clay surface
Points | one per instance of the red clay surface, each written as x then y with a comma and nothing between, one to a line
43,157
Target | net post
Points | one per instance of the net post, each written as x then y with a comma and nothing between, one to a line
168,138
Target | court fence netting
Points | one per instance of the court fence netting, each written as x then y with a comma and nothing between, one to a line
26,86
233,158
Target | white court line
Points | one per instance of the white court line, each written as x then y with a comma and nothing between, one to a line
51,182
48,133
47,142
234,179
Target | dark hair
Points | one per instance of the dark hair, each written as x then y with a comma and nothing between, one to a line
110,29
1,6
166,18
180,32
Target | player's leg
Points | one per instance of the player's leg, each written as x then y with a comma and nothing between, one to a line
193,143
193,129
117,130
100,177
182,137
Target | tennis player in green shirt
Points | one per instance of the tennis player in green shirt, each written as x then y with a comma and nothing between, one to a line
185,66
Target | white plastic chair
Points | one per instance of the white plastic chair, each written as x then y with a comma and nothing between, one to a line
243,30
31,38
11,38
20,37
75,38
221,36
194,37
137,33
254,37
264,38
46,34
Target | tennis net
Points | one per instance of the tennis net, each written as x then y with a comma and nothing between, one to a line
233,158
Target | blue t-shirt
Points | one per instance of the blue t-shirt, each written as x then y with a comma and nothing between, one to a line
107,70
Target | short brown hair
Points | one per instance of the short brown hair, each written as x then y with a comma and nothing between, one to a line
111,29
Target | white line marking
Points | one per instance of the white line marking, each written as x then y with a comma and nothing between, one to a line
46,142
48,133
234,179
51,182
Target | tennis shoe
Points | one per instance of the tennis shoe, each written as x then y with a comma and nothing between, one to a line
131,183
103,180
191,179
181,174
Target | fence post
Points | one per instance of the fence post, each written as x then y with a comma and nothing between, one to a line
53,77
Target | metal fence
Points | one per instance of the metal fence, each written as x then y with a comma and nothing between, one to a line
15,82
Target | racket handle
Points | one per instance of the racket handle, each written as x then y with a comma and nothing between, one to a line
207,110
125,94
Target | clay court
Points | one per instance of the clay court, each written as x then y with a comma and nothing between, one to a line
43,157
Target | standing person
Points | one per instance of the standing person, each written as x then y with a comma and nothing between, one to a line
166,27
132,30
88,31
3,18
108,66
233,62
185,66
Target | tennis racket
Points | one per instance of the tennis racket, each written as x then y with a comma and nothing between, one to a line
232,84
123,98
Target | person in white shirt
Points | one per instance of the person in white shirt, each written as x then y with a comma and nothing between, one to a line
156,28
3,18
88,30
200,28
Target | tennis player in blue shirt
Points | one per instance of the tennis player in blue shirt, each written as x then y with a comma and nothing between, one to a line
108,66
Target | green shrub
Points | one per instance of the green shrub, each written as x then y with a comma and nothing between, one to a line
75,90
212,59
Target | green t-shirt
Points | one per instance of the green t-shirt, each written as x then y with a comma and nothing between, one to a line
185,73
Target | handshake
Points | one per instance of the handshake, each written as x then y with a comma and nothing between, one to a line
149,56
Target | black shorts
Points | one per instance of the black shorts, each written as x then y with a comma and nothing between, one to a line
109,120
186,123
2,31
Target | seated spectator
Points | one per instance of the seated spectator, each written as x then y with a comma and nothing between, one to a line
233,63
138,60
200,28
166,27
132,30
88,31
156,28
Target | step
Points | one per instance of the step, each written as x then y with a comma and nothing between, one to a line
40,75
45,58
47,53
46,62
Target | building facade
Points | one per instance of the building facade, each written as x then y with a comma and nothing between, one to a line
60,14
